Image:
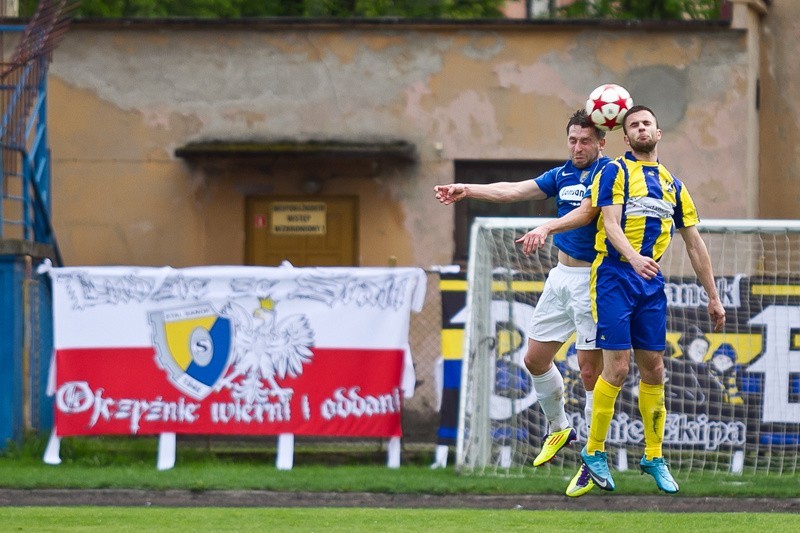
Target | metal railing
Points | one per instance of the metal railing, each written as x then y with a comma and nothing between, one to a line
24,152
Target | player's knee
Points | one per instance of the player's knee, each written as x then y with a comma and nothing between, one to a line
617,372
591,365
589,375
653,374
537,365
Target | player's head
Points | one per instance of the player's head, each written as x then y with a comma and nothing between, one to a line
585,140
581,118
640,127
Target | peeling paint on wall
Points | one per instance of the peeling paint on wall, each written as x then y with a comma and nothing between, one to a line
131,97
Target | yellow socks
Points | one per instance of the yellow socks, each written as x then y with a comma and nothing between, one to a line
654,414
605,396
651,407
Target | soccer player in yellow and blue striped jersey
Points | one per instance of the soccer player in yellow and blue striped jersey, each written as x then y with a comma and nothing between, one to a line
641,203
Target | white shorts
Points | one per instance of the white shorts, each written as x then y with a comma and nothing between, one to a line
565,307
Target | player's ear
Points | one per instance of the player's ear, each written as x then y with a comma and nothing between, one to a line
626,140
602,143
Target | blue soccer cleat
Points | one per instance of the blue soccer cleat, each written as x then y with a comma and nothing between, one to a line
659,469
597,464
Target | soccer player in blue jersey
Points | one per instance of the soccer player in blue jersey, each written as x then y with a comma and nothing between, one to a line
640,203
564,306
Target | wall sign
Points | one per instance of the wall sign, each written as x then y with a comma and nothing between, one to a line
299,218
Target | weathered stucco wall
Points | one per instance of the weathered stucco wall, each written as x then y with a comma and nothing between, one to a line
780,112
122,99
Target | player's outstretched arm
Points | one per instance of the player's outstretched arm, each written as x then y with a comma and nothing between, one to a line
535,239
501,191
701,263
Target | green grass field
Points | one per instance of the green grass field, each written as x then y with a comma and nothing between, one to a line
405,480
378,520
129,463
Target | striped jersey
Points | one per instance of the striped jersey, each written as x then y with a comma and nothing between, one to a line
654,203
568,184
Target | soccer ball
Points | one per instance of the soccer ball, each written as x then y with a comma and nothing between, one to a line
607,106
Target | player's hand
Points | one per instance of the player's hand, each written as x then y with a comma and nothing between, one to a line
717,314
450,194
533,240
645,266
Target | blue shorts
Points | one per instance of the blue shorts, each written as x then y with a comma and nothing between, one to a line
631,312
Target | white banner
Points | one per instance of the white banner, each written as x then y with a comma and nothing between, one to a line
292,348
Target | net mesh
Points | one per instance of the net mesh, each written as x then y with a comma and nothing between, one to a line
733,398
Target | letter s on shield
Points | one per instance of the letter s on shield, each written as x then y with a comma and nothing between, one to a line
193,344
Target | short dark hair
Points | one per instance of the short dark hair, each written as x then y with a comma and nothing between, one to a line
581,118
636,109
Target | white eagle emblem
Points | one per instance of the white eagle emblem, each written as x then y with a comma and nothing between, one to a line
266,349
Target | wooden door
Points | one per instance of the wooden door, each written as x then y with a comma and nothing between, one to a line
304,230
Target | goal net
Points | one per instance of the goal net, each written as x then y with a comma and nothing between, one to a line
733,398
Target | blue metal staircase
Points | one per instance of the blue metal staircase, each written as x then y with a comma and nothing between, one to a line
26,231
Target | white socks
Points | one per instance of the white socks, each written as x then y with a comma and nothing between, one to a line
550,392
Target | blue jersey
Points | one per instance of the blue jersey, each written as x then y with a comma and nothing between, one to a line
569,185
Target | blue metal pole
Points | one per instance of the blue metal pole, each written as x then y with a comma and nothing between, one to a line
43,404
12,274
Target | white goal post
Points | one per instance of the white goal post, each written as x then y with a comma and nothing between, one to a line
733,398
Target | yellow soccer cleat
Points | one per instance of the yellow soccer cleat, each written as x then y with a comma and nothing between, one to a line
581,483
553,443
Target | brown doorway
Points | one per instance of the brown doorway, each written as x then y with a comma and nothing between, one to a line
304,230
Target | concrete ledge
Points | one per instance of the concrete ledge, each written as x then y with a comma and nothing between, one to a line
20,247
